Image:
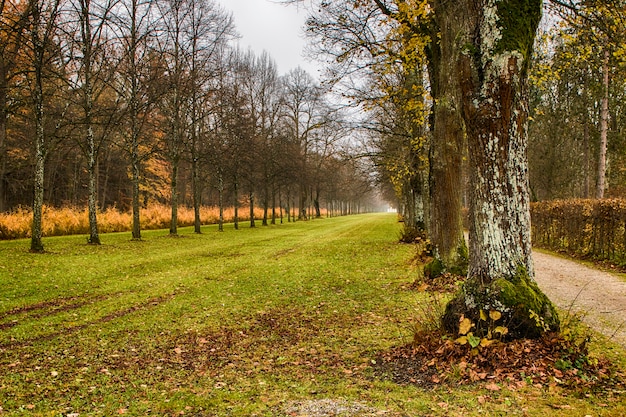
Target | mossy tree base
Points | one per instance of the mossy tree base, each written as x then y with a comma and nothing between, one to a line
456,264
526,311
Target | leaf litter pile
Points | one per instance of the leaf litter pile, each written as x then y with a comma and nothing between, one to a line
434,359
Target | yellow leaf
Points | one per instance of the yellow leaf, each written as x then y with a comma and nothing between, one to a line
495,315
461,340
484,342
483,315
465,326
501,329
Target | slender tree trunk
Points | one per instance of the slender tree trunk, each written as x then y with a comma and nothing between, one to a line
316,203
195,185
265,206
280,204
174,202
252,223
94,237
90,144
604,127
136,177
273,205
133,101
288,206
36,244
493,80
220,188
236,203
303,205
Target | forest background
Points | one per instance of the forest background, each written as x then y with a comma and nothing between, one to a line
124,105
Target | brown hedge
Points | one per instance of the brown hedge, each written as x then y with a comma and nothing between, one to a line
586,228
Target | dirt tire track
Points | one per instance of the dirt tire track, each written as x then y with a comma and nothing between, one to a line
599,296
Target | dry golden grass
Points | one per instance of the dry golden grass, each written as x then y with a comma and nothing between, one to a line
73,220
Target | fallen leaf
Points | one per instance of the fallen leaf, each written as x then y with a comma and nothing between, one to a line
492,387
464,326
495,315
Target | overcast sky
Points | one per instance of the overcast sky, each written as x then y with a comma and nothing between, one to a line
275,28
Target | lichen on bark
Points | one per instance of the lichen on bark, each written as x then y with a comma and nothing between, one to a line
493,81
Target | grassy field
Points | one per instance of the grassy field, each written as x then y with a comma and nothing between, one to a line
239,323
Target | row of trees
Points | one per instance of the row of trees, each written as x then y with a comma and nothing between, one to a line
124,102
446,86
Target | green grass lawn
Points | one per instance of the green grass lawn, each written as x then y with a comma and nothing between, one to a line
237,323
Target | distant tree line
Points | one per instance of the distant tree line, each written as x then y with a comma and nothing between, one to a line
129,102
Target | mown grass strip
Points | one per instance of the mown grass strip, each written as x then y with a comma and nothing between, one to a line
237,323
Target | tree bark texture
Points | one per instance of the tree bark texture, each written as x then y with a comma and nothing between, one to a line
493,69
92,151
252,220
448,142
36,244
174,199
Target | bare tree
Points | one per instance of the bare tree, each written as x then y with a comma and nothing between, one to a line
208,31
135,24
42,46
88,51
303,110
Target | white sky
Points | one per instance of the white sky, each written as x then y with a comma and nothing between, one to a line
273,27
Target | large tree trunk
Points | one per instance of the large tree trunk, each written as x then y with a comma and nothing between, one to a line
604,127
448,143
496,48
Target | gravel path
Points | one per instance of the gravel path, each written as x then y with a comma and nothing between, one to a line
600,296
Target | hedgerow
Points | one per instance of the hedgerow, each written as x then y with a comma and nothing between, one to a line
585,228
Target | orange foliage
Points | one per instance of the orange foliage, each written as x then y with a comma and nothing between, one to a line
71,221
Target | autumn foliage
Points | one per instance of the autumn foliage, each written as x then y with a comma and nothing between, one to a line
588,228
72,220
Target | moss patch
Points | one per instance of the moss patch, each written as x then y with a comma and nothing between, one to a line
518,20
527,312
